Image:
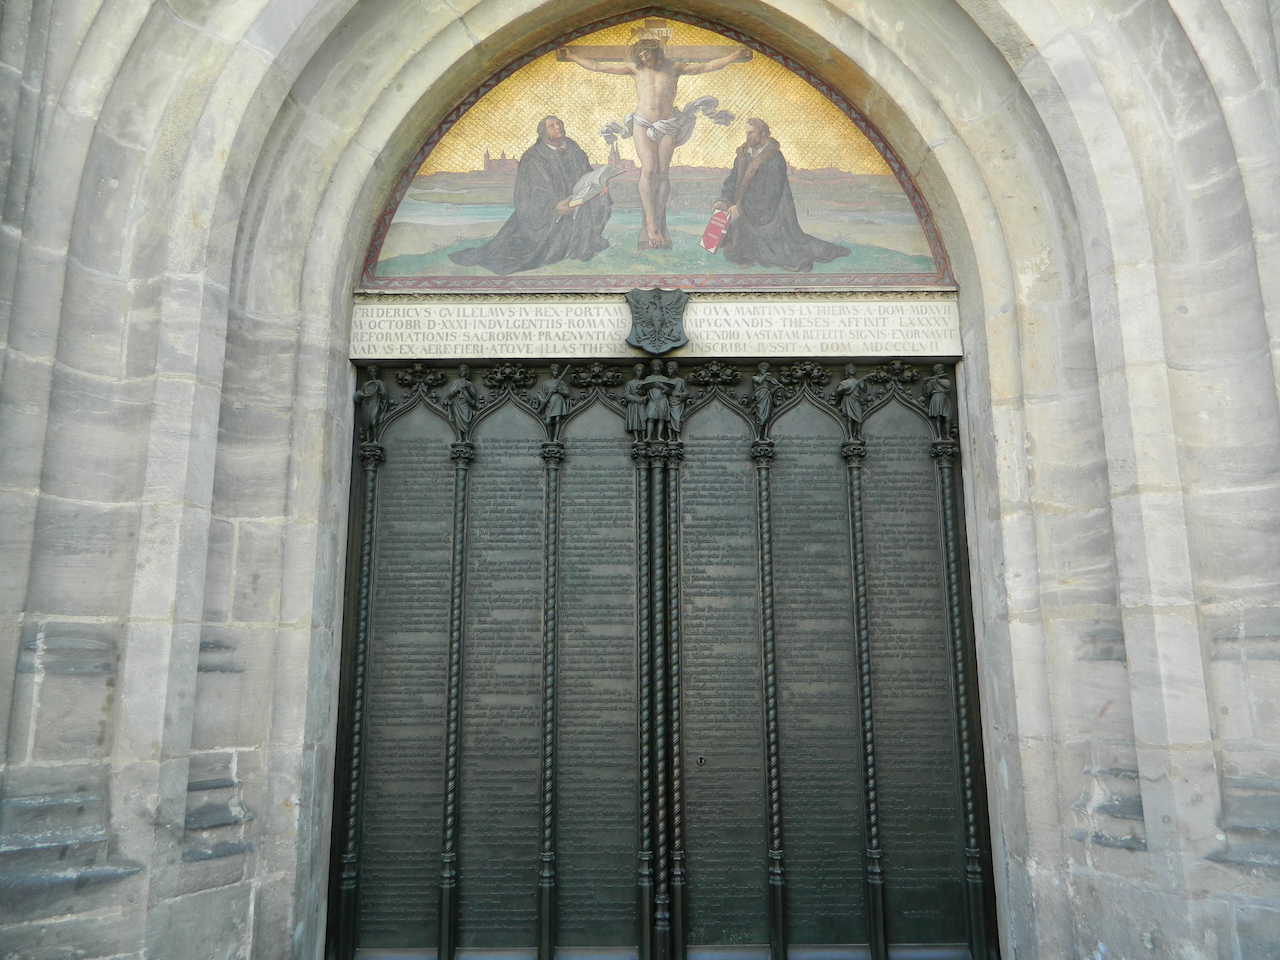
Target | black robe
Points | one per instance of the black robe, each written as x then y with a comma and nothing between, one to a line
766,230
535,234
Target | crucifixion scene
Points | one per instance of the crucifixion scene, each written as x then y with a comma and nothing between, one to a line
657,68
653,153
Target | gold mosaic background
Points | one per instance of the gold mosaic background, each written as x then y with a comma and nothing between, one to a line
812,132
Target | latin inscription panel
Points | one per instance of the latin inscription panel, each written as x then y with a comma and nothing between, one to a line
596,776
818,724
916,754
722,697
501,802
393,327
597,680
405,705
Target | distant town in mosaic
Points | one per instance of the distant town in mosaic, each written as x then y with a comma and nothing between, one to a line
653,152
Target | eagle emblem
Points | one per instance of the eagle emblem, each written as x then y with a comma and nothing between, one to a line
657,319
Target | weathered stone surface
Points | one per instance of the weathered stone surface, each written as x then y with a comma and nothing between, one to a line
1259,931
187,193
202,926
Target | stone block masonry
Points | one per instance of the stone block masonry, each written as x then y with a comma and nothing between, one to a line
188,193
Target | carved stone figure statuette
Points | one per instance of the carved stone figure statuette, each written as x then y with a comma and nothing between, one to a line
373,403
657,409
552,399
763,385
633,395
679,397
461,400
850,397
937,394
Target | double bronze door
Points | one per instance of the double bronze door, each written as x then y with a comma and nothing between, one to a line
665,664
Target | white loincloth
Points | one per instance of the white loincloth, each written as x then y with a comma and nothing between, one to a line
679,125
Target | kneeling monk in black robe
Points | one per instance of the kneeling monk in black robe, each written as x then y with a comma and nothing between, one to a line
763,227
544,229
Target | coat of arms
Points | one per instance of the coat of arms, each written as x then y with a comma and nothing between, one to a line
657,319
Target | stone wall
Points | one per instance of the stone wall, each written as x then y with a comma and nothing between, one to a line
188,191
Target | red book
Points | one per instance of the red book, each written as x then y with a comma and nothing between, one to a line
714,233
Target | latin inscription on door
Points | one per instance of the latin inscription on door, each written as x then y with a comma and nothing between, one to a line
502,686
406,694
912,681
723,733
596,679
818,682
691,611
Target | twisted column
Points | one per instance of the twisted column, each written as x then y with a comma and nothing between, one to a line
854,451
662,877
762,453
944,453
461,453
674,455
644,874
371,454
552,455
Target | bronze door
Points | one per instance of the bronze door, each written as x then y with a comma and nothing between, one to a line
665,664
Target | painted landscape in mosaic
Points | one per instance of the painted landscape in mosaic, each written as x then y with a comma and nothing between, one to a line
654,152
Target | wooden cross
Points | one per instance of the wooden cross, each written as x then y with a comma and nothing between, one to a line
652,30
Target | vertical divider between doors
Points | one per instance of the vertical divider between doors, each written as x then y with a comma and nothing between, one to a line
644,875
552,455
944,453
762,452
461,453
854,452
675,454
657,542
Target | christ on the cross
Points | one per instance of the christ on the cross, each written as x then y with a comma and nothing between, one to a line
665,127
